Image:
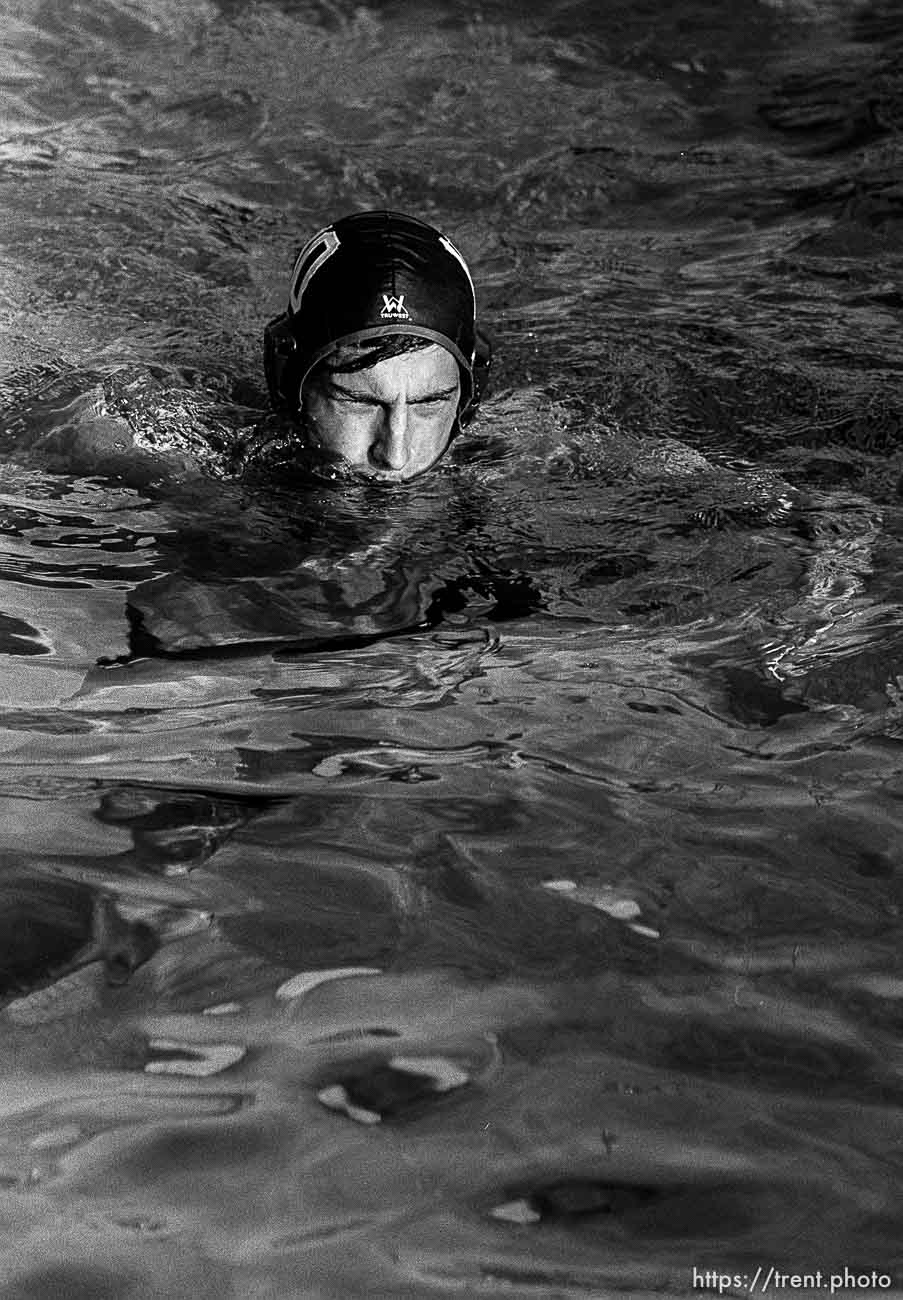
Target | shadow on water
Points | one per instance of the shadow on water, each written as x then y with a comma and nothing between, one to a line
489,884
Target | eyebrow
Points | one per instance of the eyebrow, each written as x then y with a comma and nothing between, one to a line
369,399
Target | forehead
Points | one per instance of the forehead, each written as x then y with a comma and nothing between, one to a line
428,368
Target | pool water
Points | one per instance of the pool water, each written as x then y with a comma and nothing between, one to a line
488,885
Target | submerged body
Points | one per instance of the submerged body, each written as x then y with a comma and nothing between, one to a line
456,877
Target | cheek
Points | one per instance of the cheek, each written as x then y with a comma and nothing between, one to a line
335,427
435,429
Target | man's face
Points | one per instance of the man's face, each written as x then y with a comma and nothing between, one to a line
391,421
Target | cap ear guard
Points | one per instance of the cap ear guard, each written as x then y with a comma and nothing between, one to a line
482,361
281,364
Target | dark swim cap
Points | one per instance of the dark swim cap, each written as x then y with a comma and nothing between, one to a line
366,276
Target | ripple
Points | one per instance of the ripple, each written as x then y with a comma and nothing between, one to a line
489,884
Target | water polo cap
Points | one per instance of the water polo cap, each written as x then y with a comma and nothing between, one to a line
366,276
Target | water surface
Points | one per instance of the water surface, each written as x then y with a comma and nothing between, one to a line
489,885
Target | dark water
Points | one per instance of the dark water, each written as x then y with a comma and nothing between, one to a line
489,886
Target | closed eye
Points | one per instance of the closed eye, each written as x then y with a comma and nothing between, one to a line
434,399
350,397
354,399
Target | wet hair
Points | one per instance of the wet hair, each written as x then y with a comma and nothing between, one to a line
351,358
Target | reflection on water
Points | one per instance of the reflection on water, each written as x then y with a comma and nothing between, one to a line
487,885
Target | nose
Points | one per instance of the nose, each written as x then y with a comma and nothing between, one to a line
390,448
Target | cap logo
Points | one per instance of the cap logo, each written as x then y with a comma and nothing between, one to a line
394,308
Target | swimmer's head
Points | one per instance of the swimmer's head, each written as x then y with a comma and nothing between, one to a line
378,351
